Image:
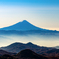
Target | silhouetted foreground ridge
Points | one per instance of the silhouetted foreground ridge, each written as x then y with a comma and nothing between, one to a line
27,54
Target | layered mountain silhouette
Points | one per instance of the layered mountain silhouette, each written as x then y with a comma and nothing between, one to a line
24,54
27,54
17,47
22,26
28,51
53,52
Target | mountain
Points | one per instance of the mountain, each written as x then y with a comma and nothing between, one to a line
17,47
53,52
29,54
22,26
26,54
26,28
57,47
3,52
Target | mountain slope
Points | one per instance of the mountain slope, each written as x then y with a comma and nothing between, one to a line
2,52
53,52
22,26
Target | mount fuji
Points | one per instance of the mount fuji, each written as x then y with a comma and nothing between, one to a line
25,28
22,26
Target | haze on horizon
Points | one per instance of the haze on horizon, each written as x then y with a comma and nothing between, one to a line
41,40
41,13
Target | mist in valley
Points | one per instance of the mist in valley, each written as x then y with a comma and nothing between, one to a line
41,40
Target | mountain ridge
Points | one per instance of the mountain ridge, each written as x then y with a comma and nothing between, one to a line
45,51
17,47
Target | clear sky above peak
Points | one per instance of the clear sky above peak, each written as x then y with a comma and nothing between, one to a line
41,13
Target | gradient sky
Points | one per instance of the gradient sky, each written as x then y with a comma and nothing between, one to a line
41,13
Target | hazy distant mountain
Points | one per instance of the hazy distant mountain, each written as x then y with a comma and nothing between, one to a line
53,52
22,26
25,28
57,47
29,32
17,47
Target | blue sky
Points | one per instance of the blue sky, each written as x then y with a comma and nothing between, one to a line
31,2
42,13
